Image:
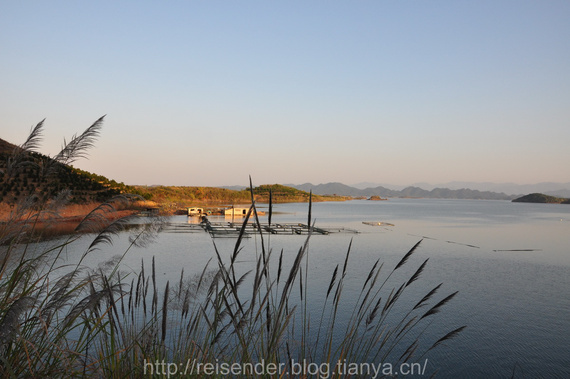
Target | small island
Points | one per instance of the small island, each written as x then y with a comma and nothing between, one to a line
541,198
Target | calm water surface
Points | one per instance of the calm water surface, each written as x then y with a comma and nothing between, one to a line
510,263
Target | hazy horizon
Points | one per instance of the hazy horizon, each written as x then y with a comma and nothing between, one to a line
207,94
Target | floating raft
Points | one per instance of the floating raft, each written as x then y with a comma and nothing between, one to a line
377,223
182,228
519,250
230,229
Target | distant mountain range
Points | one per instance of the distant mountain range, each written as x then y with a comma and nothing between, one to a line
451,190
548,188
412,191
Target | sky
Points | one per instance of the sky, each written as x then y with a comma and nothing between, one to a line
208,93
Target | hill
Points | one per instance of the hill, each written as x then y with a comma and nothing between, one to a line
6,147
541,198
282,194
183,196
25,173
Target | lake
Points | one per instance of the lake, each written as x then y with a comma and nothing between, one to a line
509,261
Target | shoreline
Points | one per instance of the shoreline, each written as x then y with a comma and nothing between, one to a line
61,223
47,225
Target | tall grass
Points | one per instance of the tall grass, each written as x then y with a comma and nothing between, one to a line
104,322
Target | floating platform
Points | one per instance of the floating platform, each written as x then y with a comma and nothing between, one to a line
229,229
377,223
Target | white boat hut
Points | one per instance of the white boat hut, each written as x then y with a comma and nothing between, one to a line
233,212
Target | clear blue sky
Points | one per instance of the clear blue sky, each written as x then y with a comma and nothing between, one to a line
210,92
